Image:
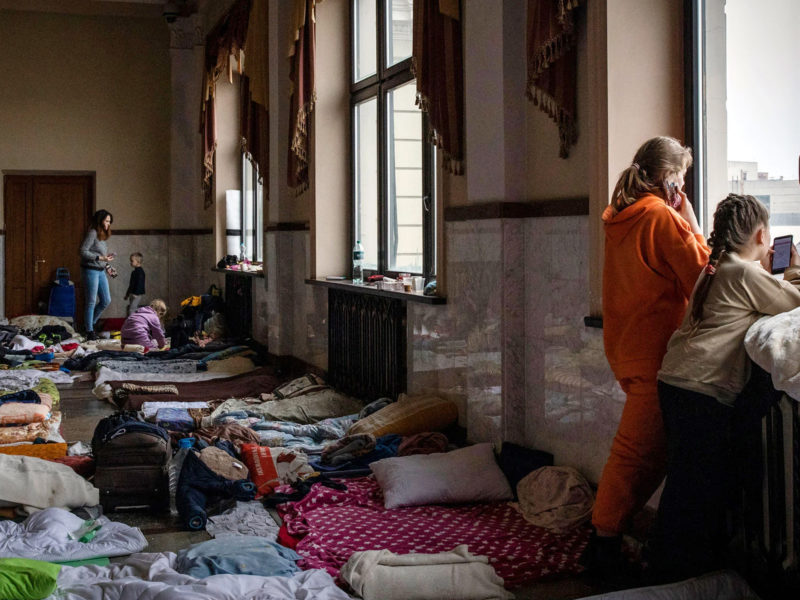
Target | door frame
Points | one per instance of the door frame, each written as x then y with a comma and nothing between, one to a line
92,175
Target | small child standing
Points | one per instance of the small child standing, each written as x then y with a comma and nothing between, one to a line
706,367
144,326
136,284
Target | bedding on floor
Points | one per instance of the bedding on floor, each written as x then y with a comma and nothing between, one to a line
50,534
310,408
103,389
334,524
310,438
212,386
153,577
37,483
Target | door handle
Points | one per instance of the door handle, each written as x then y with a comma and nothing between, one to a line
36,264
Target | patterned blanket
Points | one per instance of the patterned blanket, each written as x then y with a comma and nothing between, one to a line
337,523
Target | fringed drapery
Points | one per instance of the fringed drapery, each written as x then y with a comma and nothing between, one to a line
552,65
301,77
226,39
437,62
254,129
255,90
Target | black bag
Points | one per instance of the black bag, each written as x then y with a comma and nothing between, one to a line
131,459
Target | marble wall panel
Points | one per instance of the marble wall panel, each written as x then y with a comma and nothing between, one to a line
573,403
456,349
296,313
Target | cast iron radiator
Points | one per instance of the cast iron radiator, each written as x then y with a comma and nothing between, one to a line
768,527
366,344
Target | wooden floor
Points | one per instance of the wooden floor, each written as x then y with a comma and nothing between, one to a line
81,412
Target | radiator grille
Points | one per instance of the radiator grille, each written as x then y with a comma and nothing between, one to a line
366,344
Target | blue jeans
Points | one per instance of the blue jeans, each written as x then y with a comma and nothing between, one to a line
98,296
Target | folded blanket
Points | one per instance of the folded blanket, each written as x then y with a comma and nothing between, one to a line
47,430
384,575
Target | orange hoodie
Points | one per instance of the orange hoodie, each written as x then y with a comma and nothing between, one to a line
652,261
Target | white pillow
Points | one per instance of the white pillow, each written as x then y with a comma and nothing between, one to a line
465,475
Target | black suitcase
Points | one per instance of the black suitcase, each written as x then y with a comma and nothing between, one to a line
132,460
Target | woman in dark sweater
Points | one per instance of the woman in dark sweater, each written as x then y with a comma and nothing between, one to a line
94,260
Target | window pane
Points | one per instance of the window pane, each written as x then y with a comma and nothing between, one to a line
365,42
404,192
248,221
761,87
259,233
366,179
399,19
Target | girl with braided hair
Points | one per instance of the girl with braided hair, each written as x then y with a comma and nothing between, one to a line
704,370
653,255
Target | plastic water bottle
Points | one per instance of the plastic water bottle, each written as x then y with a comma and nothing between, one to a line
175,467
358,259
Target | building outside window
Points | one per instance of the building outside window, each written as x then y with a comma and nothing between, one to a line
393,165
747,85
245,215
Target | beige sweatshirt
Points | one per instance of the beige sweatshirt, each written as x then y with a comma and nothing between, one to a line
712,359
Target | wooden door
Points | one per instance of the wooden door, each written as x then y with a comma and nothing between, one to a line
46,218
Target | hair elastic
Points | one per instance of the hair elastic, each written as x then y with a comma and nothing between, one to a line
710,269
636,166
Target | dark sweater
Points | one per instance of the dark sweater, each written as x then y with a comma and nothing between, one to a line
136,285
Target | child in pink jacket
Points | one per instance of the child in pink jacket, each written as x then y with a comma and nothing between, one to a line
143,327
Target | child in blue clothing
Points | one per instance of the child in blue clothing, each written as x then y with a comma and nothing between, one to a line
136,284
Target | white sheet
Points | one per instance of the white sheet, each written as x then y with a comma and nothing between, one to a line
774,345
45,536
153,577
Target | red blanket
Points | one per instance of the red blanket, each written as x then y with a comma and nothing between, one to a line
337,523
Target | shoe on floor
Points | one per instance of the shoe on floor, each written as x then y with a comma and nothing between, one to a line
606,566
91,336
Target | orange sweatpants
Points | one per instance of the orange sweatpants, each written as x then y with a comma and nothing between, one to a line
636,465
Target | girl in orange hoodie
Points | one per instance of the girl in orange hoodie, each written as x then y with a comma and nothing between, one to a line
654,252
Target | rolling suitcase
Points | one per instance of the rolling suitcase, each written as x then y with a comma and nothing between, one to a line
131,459
62,296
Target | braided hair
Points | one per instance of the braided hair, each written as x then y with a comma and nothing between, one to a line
735,220
655,160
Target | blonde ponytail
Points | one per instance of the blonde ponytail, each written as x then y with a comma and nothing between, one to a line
655,160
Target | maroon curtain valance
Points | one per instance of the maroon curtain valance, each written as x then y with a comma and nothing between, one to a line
552,65
226,39
438,65
302,52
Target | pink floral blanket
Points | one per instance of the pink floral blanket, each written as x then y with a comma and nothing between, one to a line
337,523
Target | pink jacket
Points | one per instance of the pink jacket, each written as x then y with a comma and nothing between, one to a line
144,328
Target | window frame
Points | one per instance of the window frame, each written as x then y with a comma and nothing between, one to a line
378,86
254,254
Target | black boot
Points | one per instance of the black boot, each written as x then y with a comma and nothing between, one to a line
606,566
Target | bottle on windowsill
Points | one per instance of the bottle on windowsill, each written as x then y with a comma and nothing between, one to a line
358,259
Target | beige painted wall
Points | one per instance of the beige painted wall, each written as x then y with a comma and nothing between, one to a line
228,175
645,76
330,169
90,93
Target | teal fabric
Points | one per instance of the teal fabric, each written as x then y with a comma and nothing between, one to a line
26,579
237,555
